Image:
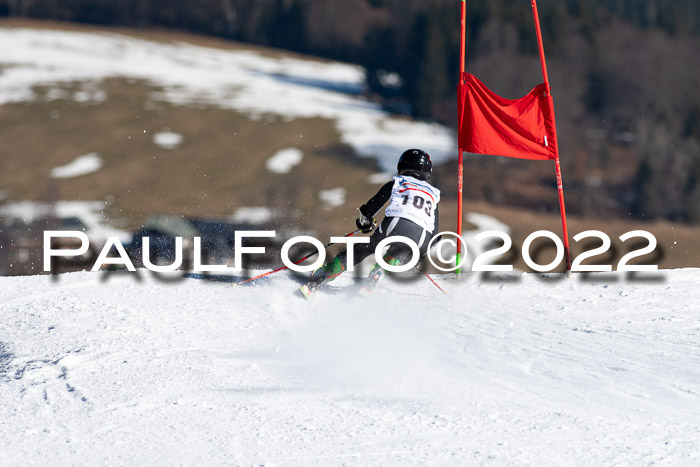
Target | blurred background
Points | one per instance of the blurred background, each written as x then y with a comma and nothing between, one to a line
200,117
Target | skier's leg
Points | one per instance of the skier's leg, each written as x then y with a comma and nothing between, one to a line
326,273
399,253
395,256
335,267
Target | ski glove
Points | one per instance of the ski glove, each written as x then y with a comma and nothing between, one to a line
365,224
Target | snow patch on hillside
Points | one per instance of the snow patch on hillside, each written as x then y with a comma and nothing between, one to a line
168,139
380,178
333,197
284,160
254,215
91,213
82,165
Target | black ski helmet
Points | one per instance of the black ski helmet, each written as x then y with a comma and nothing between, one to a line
415,163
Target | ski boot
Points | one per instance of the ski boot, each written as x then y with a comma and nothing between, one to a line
320,276
376,274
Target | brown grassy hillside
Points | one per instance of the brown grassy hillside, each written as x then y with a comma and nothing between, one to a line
220,166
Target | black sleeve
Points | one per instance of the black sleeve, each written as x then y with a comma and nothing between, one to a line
372,207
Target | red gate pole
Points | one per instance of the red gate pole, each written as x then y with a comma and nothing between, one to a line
560,186
460,156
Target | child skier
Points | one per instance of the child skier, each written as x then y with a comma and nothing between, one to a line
412,213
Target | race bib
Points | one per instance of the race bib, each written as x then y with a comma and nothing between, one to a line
414,200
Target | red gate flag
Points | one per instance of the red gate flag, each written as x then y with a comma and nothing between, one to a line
489,124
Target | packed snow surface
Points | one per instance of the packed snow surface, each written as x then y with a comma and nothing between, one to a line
248,82
82,165
112,368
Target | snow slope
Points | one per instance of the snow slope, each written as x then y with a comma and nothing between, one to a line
125,369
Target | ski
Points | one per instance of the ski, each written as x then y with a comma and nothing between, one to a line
306,291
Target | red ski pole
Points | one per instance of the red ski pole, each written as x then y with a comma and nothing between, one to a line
433,281
295,262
